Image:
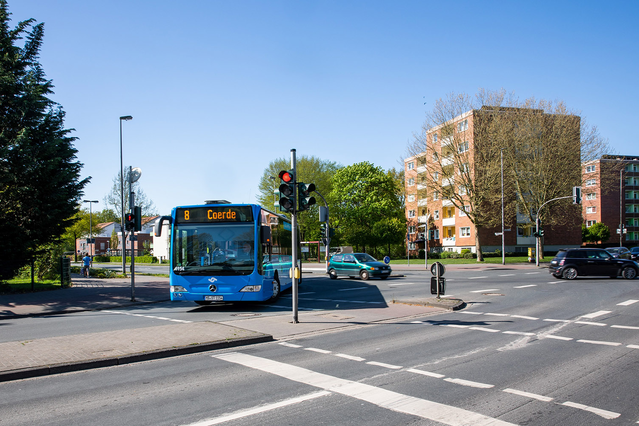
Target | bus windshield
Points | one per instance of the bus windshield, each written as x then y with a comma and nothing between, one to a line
214,249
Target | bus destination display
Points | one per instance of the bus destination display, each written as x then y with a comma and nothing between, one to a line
210,214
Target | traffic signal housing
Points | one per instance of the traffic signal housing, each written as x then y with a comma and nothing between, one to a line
129,221
137,218
576,194
304,197
287,191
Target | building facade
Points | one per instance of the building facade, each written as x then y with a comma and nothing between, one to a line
610,195
455,160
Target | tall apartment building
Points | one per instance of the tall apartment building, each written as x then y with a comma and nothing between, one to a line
434,221
610,195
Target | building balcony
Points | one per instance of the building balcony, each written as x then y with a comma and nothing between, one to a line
447,161
422,219
421,186
420,169
448,140
450,241
448,221
524,241
449,181
422,202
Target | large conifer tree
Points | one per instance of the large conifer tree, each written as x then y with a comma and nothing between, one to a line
40,184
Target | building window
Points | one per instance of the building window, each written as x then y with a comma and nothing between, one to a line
464,210
435,157
591,182
465,168
465,231
591,209
462,190
462,125
436,215
435,138
435,234
411,213
463,147
411,198
591,196
411,165
435,176
411,181
436,195
589,223
590,169
411,230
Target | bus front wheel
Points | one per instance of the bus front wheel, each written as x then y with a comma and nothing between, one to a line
276,289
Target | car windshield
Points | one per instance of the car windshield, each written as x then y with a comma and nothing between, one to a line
634,250
364,257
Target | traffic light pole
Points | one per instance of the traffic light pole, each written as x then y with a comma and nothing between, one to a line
538,225
294,270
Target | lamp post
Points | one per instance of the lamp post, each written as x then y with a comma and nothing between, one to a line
123,118
91,224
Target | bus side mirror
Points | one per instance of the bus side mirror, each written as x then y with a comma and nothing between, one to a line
157,229
265,235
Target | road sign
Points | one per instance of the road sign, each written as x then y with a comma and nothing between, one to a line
386,260
437,269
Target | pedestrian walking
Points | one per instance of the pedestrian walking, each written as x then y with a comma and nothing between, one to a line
86,263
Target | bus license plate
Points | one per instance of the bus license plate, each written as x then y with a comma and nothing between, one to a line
213,297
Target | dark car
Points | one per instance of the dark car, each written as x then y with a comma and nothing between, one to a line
357,264
620,252
571,263
634,253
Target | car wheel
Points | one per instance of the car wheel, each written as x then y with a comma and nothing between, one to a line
332,274
570,273
629,273
363,274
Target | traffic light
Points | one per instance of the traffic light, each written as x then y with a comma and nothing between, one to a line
129,221
576,194
323,233
303,193
287,191
541,232
137,218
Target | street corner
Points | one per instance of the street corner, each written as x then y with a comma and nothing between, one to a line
450,304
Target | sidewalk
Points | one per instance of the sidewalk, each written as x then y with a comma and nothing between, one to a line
54,355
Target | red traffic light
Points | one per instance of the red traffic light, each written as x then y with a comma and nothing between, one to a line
286,176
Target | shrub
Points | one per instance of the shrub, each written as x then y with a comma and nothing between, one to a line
434,255
454,255
100,258
469,255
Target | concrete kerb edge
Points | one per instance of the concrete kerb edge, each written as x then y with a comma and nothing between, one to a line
76,310
458,305
27,373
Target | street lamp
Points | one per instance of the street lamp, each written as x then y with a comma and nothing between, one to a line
123,118
91,223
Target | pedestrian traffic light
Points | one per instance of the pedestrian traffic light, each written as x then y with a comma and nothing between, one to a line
129,221
137,218
287,191
305,200
576,194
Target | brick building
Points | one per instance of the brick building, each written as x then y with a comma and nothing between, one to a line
455,149
610,195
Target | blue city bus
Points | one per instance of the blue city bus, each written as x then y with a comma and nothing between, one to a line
228,253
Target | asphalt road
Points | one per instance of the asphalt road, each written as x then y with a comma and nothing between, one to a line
528,349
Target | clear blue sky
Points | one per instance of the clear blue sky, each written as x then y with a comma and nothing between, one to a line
218,89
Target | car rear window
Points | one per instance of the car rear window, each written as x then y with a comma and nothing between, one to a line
576,254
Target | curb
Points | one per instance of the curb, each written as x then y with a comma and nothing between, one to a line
26,373
433,302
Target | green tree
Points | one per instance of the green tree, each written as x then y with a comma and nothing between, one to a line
40,184
80,229
309,170
367,206
597,233
113,199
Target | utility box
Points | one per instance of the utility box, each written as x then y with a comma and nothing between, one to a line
65,271
531,254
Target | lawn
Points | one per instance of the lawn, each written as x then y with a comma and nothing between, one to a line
23,285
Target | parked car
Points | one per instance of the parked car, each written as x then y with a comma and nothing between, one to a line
620,252
571,263
354,264
634,253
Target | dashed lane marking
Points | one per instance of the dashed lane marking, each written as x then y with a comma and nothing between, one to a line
598,411
147,316
484,291
599,342
351,289
596,314
529,395
628,303
469,383
526,286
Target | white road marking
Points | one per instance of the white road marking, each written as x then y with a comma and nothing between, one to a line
290,345
308,292
469,383
507,275
627,327
524,317
351,357
526,286
633,346
456,325
603,413
261,409
599,342
489,330
522,333
384,398
351,289
382,364
426,373
627,303
596,314
555,320
147,316
532,273
600,324
471,313
476,278
321,351
550,336
496,315
398,284
483,291
529,395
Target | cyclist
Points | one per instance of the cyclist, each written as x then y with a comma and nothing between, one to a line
86,260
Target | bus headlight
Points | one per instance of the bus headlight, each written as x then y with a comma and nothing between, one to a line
177,289
251,289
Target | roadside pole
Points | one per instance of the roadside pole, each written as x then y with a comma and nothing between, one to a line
295,272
